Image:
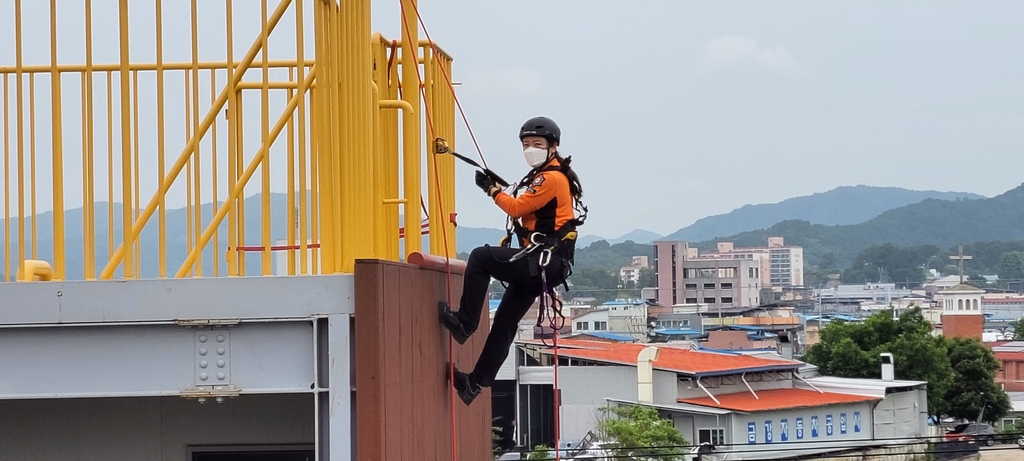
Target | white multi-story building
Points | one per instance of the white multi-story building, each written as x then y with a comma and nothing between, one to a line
775,265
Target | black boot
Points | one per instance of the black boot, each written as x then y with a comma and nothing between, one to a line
465,386
452,323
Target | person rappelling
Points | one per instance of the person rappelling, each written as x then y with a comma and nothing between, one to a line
542,215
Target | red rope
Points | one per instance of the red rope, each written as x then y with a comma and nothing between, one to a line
451,87
444,235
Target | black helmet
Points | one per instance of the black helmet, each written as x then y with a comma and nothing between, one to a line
541,126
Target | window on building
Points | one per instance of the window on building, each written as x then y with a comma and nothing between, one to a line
709,300
960,305
713,436
582,325
727,286
691,300
727,272
600,326
726,300
685,323
709,286
975,304
691,286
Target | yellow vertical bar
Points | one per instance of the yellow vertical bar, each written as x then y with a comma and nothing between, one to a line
366,108
58,152
126,147
264,140
135,176
196,182
239,165
346,160
110,165
19,106
213,175
160,167
450,161
290,216
436,220
394,157
301,79
88,165
232,253
334,152
326,144
32,160
411,128
189,229
7,184
85,188
379,74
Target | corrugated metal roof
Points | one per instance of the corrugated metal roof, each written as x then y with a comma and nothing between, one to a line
777,399
684,361
684,407
860,386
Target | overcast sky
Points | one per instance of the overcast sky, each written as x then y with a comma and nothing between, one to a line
675,110
672,110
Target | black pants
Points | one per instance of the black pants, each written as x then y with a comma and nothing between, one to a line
523,289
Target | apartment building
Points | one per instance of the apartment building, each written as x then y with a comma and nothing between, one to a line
631,273
775,265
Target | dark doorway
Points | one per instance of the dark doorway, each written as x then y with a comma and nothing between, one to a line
269,455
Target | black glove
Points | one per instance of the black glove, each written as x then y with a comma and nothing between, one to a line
486,184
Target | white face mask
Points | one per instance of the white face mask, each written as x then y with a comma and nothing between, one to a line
535,156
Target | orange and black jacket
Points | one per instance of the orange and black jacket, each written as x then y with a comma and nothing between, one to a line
546,206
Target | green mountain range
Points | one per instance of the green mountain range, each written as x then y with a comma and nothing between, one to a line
942,223
840,206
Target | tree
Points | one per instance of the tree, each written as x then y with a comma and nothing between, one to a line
641,431
852,350
647,278
1018,329
974,387
1011,266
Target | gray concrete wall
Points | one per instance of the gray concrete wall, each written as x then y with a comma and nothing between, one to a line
584,390
148,428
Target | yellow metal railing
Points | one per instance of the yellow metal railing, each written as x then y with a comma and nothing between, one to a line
206,167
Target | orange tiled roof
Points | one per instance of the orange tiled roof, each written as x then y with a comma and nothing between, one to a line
777,399
669,359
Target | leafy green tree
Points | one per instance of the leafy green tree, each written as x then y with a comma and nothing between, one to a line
540,452
974,387
1011,266
641,431
647,278
1018,329
852,350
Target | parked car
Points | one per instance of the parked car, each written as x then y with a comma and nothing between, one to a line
1020,443
979,432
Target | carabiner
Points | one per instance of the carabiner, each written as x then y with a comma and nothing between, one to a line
545,257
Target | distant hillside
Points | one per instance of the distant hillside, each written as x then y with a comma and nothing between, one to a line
636,235
841,206
942,223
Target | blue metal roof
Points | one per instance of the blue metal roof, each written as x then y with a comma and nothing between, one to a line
493,304
733,351
735,327
622,302
610,336
676,331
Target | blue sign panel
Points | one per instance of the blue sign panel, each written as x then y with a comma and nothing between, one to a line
828,425
842,423
856,421
814,426
799,428
784,430
768,431
751,433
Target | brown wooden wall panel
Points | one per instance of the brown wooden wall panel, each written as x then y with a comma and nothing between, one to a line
403,399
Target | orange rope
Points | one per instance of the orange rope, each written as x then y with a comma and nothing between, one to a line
444,235
465,120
